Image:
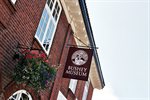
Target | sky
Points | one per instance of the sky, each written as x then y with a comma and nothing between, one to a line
121,31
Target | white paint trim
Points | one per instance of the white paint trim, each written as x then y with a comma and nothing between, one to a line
56,24
19,93
73,85
61,96
13,1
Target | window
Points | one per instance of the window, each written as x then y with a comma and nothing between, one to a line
61,96
86,88
73,84
48,23
13,1
20,95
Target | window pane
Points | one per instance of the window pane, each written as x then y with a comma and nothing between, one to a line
43,28
48,35
41,36
38,31
42,25
50,3
39,27
14,96
44,13
56,11
46,18
41,22
56,17
24,97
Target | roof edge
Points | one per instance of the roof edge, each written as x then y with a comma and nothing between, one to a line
88,27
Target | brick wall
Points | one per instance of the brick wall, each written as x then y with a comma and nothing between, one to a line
20,26
18,23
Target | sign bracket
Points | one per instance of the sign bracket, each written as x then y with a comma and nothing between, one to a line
81,46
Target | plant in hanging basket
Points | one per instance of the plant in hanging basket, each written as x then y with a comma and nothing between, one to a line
33,70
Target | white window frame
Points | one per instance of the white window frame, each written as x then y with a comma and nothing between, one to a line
61,96
73,85
13,1
19,93
86,89
50,12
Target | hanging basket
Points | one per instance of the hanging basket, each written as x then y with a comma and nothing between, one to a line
33,70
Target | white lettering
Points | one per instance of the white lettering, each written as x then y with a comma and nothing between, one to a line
73,70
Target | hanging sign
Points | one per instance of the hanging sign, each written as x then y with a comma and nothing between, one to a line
78,63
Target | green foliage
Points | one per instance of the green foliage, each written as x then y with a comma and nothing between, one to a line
34,72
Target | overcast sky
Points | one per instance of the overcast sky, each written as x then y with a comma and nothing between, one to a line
121,30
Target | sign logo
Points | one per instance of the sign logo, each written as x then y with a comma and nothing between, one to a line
78,63
79,57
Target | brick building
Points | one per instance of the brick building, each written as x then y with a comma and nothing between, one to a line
53,26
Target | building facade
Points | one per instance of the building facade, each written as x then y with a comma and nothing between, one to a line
51,26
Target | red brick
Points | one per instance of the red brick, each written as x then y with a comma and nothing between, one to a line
18,23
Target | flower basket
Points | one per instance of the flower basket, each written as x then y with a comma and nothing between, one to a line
33,70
